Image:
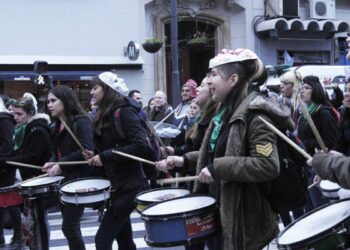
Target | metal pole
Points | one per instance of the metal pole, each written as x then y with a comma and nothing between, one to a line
175,77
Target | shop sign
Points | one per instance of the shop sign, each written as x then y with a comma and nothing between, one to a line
22,78
133,51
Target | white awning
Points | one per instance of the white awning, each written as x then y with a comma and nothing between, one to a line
297,28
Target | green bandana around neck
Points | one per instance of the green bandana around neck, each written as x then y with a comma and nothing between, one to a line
217,120
19,136
311,109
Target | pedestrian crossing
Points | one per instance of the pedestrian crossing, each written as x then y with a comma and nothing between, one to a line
89,227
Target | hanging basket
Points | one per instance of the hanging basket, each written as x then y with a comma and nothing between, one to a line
199,45
152,47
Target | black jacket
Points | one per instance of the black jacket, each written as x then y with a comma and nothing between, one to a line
7,125
36,147
125,174
63,142
327,125
158,115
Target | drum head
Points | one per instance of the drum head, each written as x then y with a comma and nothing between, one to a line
162,194
328,185
42,181
179,205
315,223
89,185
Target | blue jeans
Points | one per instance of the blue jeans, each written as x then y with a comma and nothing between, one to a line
115,227
71,226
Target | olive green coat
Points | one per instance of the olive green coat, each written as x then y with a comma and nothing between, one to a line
247,220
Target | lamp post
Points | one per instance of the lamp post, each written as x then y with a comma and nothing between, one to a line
175,76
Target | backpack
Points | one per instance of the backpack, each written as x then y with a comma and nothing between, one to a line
289,189
149,171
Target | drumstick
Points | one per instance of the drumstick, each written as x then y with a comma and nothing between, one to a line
156,126
133,157
177,179
284,137
72,134
312,125
23,164
312,185
34,178
70,162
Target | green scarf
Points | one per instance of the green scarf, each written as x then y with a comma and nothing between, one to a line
198,117
19,136
217,120
311,109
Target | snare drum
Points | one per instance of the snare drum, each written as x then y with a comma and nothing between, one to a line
325,228
329,190
9,196
180,221
40,187
88,192
146,198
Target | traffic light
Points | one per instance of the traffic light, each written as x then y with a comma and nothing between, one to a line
43,81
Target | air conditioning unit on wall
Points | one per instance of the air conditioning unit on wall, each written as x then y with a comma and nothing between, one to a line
284,8
322,9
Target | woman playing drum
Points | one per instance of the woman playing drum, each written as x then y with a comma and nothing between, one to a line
239,151
63,103
32,146
125,175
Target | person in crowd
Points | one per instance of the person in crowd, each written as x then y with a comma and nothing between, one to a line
9,104
188,92
161,109
290,84
238,151
195,133
343,144
333,166
137,97
7,174
327,124
149,107
32,145
93,108
125,175
63,104
348,43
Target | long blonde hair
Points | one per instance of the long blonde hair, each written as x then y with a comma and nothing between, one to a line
295,78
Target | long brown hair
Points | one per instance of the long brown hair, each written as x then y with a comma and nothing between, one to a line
109,103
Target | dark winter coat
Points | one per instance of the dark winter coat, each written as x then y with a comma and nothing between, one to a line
82,128
246,217
343,144
36,148
158,115
327,125
125,174
7,125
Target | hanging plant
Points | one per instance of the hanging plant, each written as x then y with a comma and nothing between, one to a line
199,40
152,45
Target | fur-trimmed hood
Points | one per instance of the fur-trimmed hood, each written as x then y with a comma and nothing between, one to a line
40,116
277,111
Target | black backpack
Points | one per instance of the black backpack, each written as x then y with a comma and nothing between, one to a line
150,171
289,190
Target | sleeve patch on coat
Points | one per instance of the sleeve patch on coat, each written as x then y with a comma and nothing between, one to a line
264,150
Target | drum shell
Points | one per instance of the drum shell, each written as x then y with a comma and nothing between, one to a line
39,191
10,197
330,193
180,229
323,240
142,204
86,199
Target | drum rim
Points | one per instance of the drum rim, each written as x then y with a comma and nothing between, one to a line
179,214
312,239
156,189
84,193
9,189
41,185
